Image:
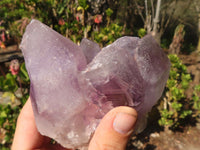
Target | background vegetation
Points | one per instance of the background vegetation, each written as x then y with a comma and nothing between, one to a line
175,24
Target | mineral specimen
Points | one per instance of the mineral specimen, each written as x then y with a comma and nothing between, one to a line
73,87
90,49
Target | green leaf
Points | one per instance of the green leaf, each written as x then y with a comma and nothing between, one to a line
3,114
83,3
171,83
185,84
185,113
23,74
142,32
9,84
9,76
197,88
176,106
109,12
61,10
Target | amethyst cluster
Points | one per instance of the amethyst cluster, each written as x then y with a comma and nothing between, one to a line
73,87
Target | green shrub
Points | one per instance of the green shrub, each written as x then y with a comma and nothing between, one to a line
142,32
196,101
109,12
8,118
109,34
176,107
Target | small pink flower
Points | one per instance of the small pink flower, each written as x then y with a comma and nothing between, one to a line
61,22
77,18
98,19
14,66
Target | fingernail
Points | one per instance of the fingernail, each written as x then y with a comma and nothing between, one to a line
124,123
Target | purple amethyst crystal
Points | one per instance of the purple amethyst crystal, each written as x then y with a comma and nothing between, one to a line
73,87
90,49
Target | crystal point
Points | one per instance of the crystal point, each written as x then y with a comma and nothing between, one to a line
73,87
90,49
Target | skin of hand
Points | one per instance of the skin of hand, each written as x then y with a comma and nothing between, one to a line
112,133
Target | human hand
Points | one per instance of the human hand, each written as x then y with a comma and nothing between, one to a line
111,134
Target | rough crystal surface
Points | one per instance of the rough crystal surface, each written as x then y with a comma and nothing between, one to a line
90,49
73,87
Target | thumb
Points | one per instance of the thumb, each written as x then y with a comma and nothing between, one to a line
114,129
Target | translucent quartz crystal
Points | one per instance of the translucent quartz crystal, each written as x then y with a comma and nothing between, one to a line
70,97
90,49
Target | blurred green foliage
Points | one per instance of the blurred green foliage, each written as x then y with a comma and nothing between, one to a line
108,34
176,107
9,112
16,14
142,32
109,12
196,100
83,4
8,119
